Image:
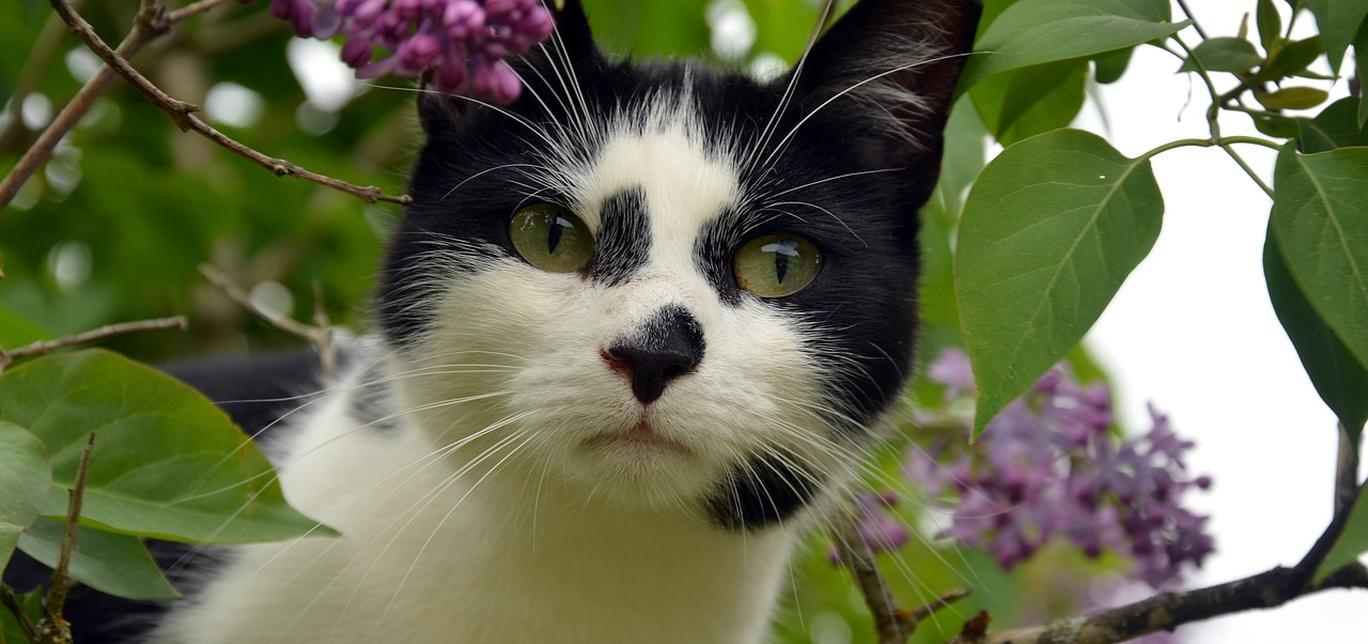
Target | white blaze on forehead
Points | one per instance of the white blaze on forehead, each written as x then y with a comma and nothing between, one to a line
661,151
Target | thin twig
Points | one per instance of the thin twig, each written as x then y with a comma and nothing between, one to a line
184,115
152,22
47,346
54,629
891,623
320,336
1182,4
914,617
327,351
70,115
35,69
16,608
1213,114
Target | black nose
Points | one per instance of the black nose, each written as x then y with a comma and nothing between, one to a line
665,348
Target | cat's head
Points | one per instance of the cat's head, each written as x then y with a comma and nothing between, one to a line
674,285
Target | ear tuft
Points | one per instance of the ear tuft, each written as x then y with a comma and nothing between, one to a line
897,62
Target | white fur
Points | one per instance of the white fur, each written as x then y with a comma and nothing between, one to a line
523,530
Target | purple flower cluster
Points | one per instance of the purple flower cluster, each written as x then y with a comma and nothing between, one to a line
1047,468
458,46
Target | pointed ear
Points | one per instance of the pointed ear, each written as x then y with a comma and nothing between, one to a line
894,63
571,41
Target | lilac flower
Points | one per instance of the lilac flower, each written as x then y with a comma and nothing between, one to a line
458,46
1047,468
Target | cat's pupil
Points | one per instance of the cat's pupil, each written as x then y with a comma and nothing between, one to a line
554,233
784,253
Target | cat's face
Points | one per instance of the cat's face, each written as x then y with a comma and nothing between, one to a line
673,286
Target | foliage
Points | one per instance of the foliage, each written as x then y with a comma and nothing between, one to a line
1017,271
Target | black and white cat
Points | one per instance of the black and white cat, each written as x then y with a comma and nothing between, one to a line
636,329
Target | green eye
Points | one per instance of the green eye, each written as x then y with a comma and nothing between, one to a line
776,265
552,239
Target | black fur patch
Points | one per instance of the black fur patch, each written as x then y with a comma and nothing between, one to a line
624,239
762,492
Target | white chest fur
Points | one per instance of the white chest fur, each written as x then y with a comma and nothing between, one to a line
431,556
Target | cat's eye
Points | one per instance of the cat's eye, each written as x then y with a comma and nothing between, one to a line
552,239
776,265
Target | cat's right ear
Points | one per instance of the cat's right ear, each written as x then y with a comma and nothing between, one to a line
572,42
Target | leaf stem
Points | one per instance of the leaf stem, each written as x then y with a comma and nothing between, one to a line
1234,156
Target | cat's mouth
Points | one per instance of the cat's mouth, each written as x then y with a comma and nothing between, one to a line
641,437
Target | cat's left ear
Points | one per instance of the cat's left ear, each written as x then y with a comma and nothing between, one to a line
893,64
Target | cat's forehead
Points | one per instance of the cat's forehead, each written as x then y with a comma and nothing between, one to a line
661,151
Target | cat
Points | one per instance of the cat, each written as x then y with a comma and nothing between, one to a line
635,332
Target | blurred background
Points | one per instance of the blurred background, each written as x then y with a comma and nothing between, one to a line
113,227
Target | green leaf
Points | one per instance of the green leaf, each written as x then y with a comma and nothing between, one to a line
1232,55
15,331
1050,231
1335,127
167,463
1269,23
1339,22
25,481
1282,127
1290,59
1110,66
964,157
1292,98
1032,32
1339,379
1352,542
115,564
1026,102
1321,228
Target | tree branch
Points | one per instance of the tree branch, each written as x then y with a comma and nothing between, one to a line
35,67
145,28
47,346
893,624
152,22
1168,611
856,556
184,115
320,335
1171,610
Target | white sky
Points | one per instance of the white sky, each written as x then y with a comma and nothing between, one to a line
1192,330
